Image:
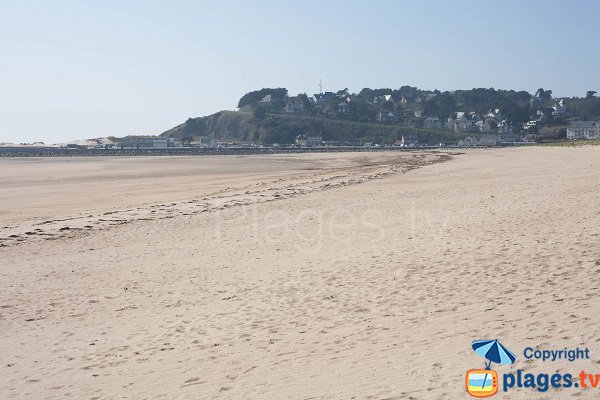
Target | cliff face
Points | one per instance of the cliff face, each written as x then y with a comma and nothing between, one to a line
282,128
221,125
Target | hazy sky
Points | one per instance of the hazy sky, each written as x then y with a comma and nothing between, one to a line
81,69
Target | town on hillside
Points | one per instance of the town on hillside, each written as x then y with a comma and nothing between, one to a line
405,117
480,116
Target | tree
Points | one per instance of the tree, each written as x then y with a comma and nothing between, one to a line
251,98
544,94
547,118
590,94
342,93
260,112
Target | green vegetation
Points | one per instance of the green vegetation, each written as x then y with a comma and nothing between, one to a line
281,128
381,116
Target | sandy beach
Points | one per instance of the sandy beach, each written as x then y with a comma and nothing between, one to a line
309,276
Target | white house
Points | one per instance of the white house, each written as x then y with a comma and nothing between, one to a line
560,108
306,140
584,130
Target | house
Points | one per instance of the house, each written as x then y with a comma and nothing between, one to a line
294,105
505,127
489,125
146,144
473,116
483,140
407,140
417,111
495,114
589,130
309,140
559,108
203,141
343,108
532,126
385,117
463,122
301,140
266,99
321,98
382,99
432,123
468,141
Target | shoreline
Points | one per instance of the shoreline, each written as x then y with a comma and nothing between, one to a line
303,182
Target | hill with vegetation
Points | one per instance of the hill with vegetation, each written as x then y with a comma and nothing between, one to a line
270,115
246,127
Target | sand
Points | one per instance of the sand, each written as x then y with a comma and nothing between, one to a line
332,276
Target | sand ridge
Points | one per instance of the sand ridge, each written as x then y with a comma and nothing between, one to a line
308,180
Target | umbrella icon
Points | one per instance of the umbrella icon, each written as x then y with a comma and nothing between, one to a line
493,351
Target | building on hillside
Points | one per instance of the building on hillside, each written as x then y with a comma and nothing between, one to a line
559,108
532,126
309,140
417,110
489,125
382,99
385,117
495,114
266,99
294,105
505,127
343,108
432,123
321,98
462,122
588,130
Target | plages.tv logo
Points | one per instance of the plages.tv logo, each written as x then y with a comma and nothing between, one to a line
484,382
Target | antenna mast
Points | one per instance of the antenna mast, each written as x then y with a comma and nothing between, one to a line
320,86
